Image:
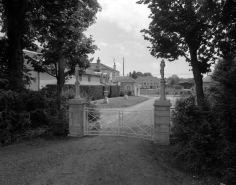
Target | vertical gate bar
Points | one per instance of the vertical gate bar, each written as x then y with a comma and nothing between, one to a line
84,121
150,124
122,121
87,121
119,123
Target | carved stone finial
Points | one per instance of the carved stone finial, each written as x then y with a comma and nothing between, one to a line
162,65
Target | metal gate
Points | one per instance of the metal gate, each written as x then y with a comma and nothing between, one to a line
119,123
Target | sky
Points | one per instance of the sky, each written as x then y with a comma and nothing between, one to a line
117,35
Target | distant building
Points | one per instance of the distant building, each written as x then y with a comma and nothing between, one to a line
35,85
148,82
186,84
127,84
97,74
207,81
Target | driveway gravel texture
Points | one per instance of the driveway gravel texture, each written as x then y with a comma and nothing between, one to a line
97,160
88,161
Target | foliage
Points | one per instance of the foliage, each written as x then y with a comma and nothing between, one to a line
114,91
64,47
137,74
16,18
91,92
182,29
223,98
207,133
224,20
27,113
198,133
122,93
173,80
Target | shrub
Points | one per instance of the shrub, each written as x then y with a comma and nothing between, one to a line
114,91
198,133
122,93
129,93
23,114
223,99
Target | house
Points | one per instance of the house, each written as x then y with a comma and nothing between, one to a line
99,67
96,74
186,84
127,84
35,85
148,82
206,82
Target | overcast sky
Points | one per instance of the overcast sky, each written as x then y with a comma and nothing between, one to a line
117,35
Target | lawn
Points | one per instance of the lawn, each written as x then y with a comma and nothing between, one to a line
120,102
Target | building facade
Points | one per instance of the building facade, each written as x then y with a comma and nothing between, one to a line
128,84
206,83
148,82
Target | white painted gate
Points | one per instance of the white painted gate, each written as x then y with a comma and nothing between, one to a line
119,123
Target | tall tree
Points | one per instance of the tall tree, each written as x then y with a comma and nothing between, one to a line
134,75
182,28
16,18
174,80
62,36
147,74
225,30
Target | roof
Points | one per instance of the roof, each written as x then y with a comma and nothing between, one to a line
207,79
147,77
104,66
125,79
185,82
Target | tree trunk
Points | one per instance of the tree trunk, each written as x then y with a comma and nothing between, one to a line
197,76
60,77
15,14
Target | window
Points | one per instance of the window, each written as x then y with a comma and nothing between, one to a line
128,88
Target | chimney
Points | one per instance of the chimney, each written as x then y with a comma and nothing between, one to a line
114,66
98,64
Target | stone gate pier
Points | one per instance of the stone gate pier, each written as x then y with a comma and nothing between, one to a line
76,110
161,133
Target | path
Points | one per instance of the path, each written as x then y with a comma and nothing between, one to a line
88,161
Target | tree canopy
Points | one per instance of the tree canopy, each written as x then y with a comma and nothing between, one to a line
182,29
57,25
137,74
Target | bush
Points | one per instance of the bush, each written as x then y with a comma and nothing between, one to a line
198,133
223,100
114,91
122,93
23,114
129,93
93,92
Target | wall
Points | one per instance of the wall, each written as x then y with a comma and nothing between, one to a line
148,82
124,85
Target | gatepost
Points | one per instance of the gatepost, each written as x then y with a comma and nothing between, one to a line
162,114
76,110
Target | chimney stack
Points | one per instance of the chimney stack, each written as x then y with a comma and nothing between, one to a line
114,66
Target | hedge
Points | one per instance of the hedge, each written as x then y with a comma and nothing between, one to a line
93,92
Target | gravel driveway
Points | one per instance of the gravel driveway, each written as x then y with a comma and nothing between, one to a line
88,161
